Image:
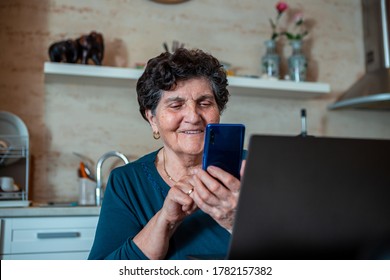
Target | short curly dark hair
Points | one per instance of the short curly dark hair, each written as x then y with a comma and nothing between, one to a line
164,71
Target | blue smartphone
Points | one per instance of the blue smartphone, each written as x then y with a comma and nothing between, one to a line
223,147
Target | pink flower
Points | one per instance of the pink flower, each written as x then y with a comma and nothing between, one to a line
298,18
281,6
298,28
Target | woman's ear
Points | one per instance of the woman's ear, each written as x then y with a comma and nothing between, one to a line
151,119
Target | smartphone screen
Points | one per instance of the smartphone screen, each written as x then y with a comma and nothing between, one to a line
223,147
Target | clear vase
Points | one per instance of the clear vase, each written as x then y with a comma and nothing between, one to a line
270,62
297,62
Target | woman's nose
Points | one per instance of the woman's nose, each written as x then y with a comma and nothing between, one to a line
192,114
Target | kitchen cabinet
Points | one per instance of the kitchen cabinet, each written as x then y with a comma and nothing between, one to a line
47,237
116,76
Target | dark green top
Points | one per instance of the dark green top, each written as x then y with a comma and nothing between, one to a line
134,194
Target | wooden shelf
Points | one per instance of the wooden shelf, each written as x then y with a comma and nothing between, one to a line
105,75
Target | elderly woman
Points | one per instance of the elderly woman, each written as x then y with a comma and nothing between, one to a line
164,206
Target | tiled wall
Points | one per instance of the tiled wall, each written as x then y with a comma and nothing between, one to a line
93,119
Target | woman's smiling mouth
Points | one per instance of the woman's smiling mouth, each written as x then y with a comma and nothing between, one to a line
191,131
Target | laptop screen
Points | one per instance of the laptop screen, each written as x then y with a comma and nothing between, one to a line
314,198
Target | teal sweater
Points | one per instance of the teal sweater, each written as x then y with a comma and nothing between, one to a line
134,194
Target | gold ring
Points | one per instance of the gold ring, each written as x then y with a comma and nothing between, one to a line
190,191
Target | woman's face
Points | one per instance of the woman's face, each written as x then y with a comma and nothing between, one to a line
182,115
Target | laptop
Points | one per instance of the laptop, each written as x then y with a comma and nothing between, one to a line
316,198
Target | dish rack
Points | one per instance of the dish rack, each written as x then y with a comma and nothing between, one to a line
14,162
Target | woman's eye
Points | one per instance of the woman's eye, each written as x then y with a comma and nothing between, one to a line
175,105
205,104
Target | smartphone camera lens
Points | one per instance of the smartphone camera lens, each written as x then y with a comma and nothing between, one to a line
212,136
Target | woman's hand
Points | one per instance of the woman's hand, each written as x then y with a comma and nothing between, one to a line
178,204
216,192
153,239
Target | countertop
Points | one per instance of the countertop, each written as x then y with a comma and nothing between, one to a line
49,211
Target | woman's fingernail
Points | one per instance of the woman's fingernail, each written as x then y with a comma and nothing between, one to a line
211,168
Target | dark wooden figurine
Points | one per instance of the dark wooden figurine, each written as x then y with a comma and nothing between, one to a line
86,47
64,51
91,47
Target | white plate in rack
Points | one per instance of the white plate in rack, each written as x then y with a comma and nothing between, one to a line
13,138
11,124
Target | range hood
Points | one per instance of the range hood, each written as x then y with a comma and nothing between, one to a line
372,91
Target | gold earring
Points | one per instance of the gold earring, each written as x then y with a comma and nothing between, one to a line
156,135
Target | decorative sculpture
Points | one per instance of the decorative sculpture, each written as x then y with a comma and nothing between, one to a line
64,51
91,47
81,50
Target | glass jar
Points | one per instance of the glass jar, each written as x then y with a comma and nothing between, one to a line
270,62
297,62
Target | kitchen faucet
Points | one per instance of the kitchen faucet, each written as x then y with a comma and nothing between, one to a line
99,192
